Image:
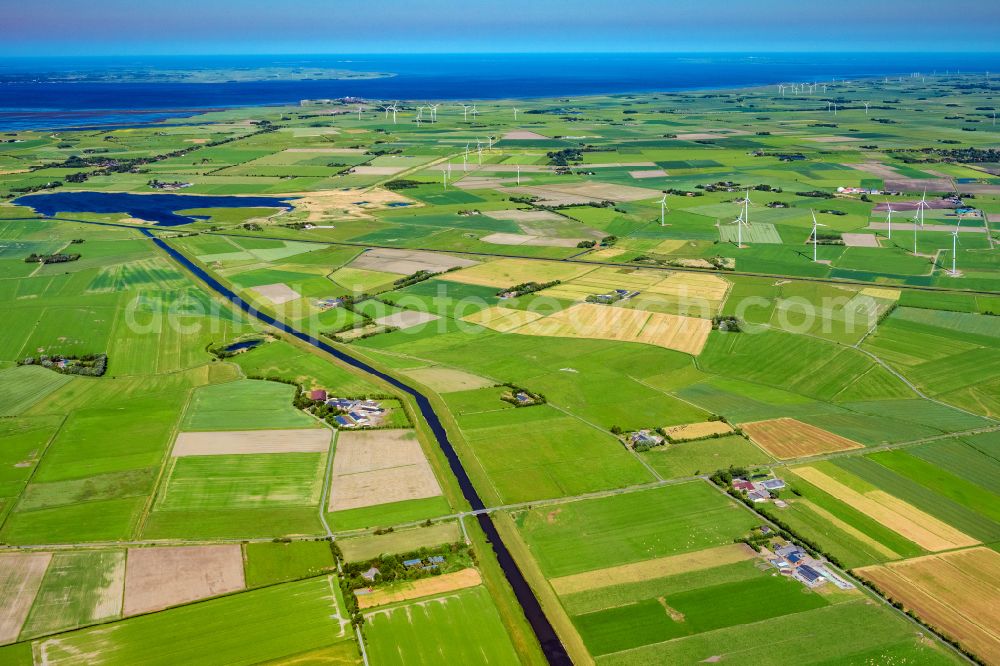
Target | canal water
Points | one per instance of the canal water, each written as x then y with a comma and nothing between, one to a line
552,647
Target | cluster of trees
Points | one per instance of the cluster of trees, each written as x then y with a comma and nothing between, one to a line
27,189
966,155
457,556
157,184
527,288
57,258
726,323
402,184
87,365
511,396
412,278
721,186
586,244
565,156
782,157
815,194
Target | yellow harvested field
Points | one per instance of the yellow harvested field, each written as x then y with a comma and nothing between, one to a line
445,380
674,286
786,438
905,519
372,467
20,577
638,572
157,578
669,246
607,254
882,292
589,320
423,587
682,433
955,592
251,441
502,319
508,272
340,204
849,529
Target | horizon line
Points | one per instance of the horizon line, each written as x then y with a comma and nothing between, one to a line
924,53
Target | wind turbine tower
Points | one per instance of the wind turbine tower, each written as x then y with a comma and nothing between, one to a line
815,237
954,249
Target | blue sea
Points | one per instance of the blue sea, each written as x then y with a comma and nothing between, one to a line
34,104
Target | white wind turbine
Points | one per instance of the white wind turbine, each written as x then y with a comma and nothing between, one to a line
359,112
474,111
515,113
916,219
663,210
921,205
519,174
815,236
434,112
465,158
740,223
889,219
420,115
479,150
866,107
746,208
391,107
491,138
954,249
465,112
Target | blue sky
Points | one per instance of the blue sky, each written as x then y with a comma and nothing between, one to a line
108,27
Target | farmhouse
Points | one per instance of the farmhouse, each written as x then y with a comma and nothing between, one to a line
773,484
317,394
370,574
356,413
809,576
329,303
644,439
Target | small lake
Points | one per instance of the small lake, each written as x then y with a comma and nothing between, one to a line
161,209
245,344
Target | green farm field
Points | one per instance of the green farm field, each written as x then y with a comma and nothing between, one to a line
425,632
872,341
